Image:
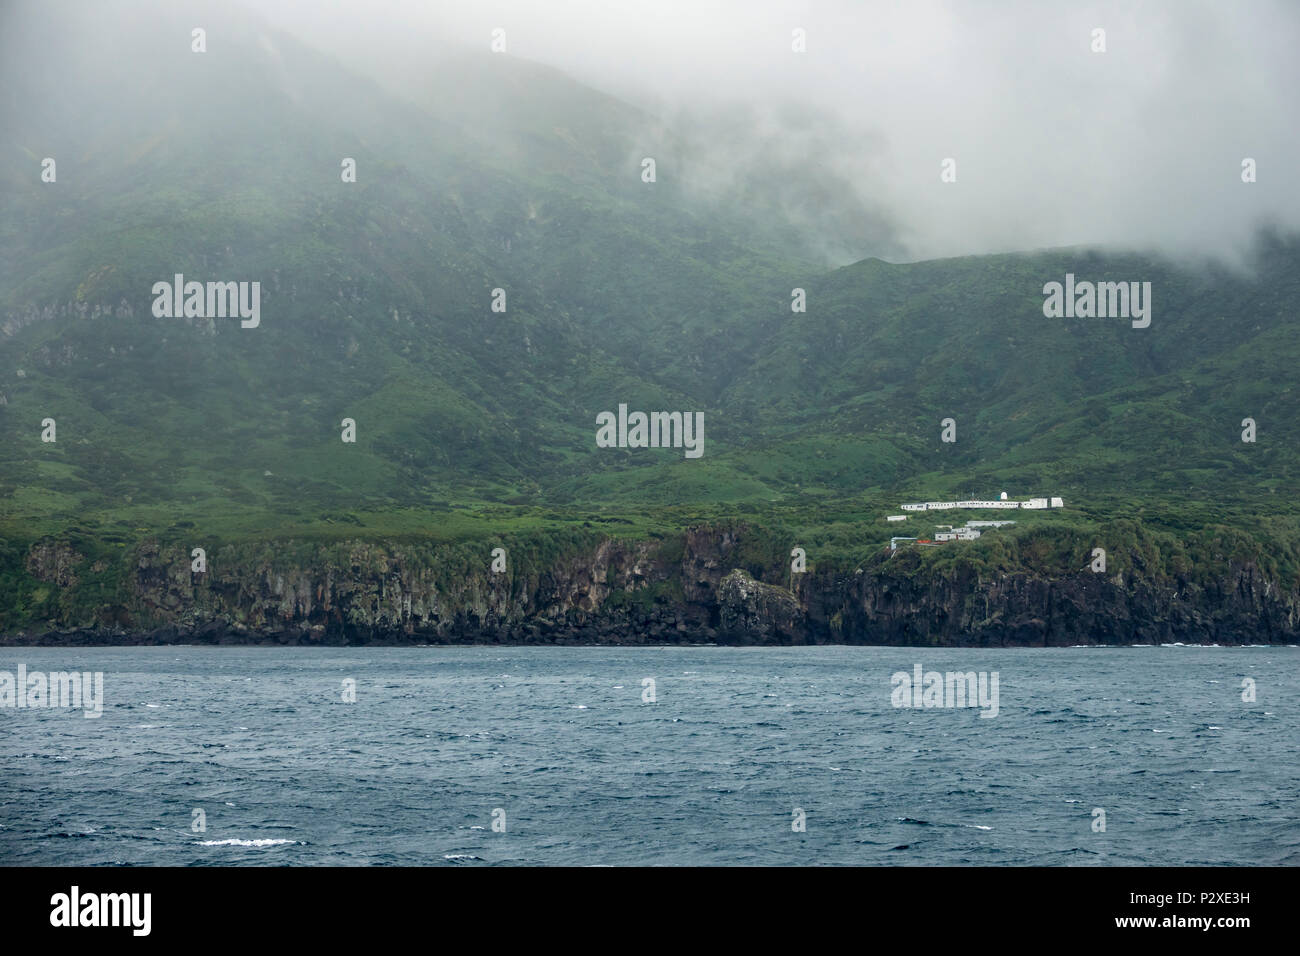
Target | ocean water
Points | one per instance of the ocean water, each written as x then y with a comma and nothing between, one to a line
288,773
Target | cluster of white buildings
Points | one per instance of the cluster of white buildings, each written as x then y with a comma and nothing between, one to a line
1002,502
969,532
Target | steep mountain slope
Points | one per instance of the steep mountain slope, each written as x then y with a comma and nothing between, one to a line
377,293
1090,405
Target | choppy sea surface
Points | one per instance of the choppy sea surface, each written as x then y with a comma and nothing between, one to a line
559,744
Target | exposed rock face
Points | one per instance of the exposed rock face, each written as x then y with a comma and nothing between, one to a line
54,563
1027,610
752,612
699,587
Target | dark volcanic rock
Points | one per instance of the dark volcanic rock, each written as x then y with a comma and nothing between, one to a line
701,587
751,612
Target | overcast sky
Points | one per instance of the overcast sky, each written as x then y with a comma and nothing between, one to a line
1139,146
1055,144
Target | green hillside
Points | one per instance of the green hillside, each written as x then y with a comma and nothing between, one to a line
495,173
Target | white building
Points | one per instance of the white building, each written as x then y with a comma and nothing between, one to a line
896,517
987,524
1001,503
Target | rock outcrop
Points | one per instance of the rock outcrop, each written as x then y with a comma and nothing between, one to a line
707,585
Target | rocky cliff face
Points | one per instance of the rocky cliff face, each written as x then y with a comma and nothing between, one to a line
1023,609
708,585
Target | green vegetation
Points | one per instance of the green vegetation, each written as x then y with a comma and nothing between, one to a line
476,426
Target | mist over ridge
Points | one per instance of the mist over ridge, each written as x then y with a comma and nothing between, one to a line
1138,147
